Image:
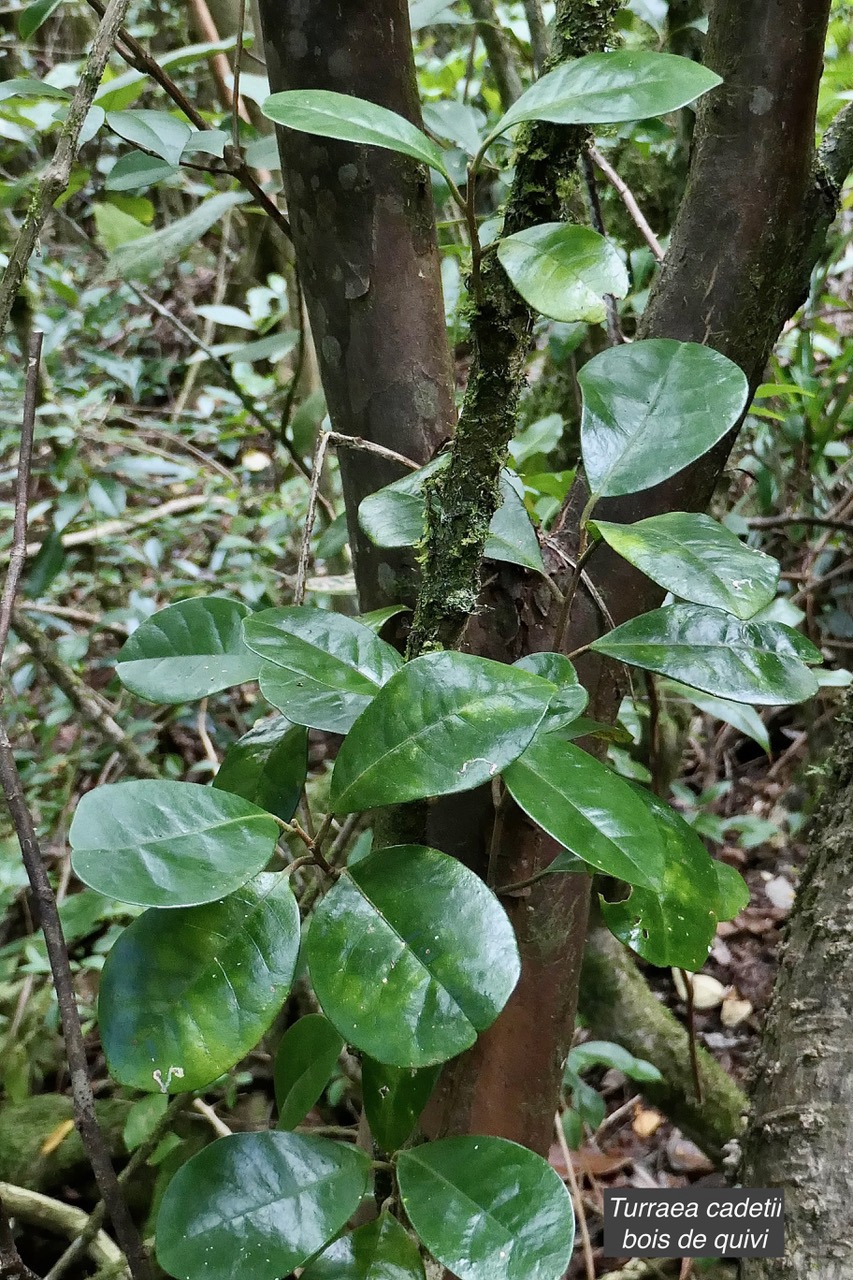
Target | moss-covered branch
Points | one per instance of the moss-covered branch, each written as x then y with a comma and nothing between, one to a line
463,498
618,1006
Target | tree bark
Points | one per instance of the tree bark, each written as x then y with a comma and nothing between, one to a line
364,233
800,1133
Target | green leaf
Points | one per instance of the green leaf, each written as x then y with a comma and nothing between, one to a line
208,142
377,618
512,538
446,722
34,15
186,994
257,1205
337,115
738,714
394,1098
30,89
759,662
732,891
143,1118
307,1056
268,766
394,517
675,926
564,271
380,1250
168,844
116,228
610,88
411,956
697,559
651,408
455,121
137,170
321,669
588,809
188,651
151,253
159,132
488,1209
603,1053
571,697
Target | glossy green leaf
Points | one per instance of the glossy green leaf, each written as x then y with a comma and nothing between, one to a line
759,662
186,994
651,408
697,559
564,271
377,618
674,926
307,1056
337,115
268,766
456,121
30,89
488,1209
732,891
603,1053
188,651
159,132
321,669
380,1250
394,517
738,714
609,88
168,844
411,956
151,253
257,1205
570,699
34,15
446,722
588,809
394,1098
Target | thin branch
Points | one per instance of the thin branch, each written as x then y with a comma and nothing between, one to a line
109,528
629,200
614,330
63,981
305,549
12,1265
57,1218
784,522
538,28
235,88
219,1127
580,1213
134,1164
56,176
18,554
86,701
138,57
501,61
219,62
341,441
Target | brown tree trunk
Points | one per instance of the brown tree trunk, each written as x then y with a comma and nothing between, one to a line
800,1133
364,233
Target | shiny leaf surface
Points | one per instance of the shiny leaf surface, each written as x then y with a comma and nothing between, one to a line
571,697
320,669
257,1205
411,956
564,271
168,844
697,559
446,722
380,1250
188,651
267,766
759,662
651,408
488,1209
394,1098
306,1058
186,994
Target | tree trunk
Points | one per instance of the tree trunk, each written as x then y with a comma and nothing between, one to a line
364,233
800,1133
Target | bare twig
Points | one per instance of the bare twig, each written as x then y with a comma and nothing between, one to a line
18,554
204,736
138,57
538,29
109,528
219,62
629,201
85,700
63,981
614,330
580,1212
58,172
136,1161
58,1218
219,1127
367,446
305,549
784,522
236,104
